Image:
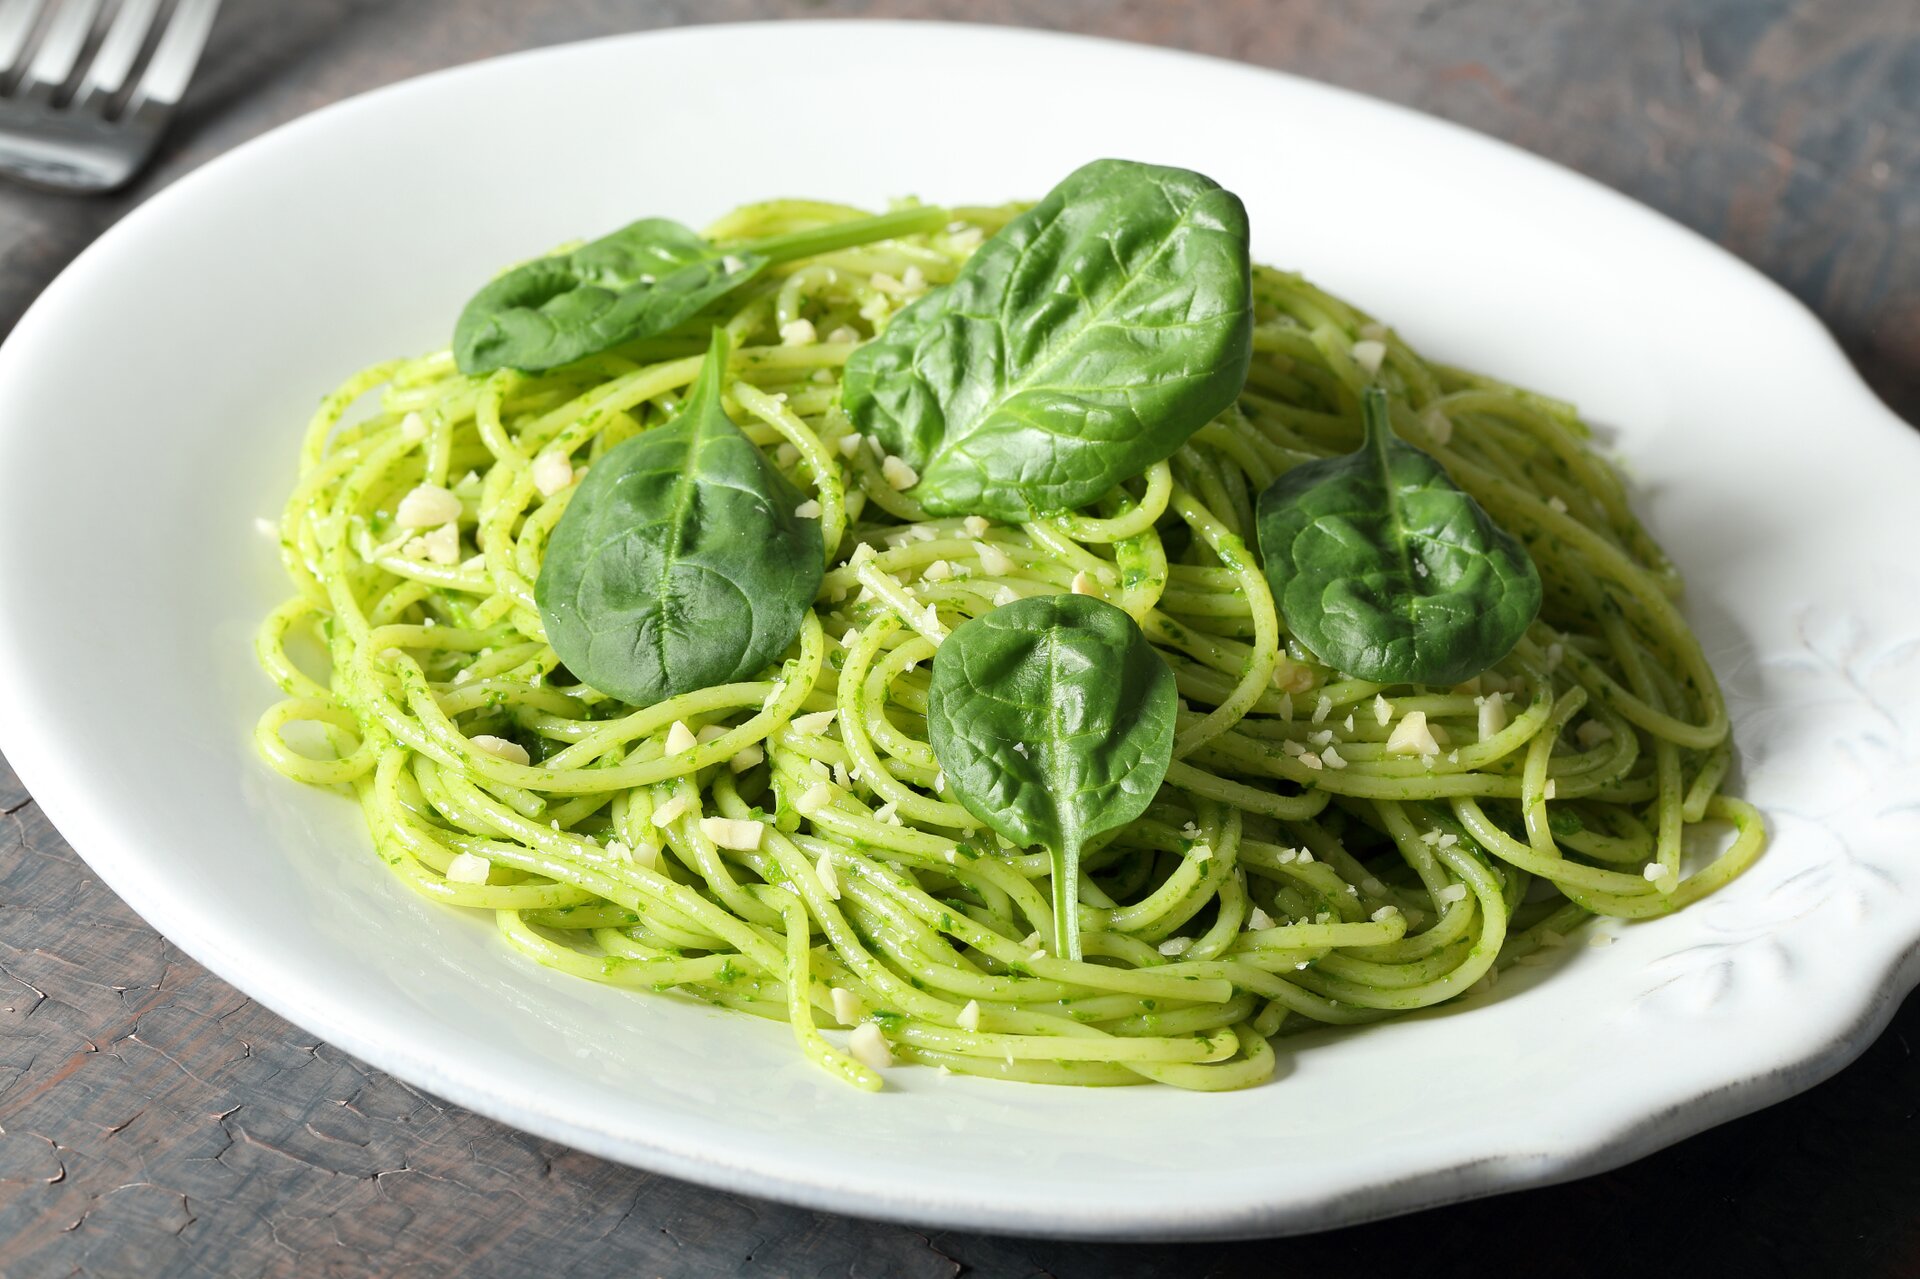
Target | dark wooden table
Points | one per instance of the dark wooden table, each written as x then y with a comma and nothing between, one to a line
157,1122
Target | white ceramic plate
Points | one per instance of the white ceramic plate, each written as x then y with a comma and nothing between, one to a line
150,405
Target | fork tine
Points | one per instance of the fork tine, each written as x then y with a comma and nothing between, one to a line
164,81
119,50
59,50
16,25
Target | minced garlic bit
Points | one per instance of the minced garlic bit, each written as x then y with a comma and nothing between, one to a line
843,335
465,868
552,471
1412,736
710,732
746,758
849,444
829,877
869,1046
938,571
846,1006
1332,758
976,526
993,561
1591,733
1452,893
1385,913
413,428
501,748
1313,761
671,811
898,474
680,738
969,1018
1083,584
1004,596
1438,425
442,546
798,333
1547,791
427,506
1557,505
1493,714
1259,920
807,510
741,834
1173,946
814,798
1600,939
816,722
1322,709
1368,354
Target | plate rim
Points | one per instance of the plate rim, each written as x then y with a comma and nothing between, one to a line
63,800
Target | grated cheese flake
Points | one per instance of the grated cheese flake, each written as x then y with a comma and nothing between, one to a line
552,471
869,1046
465,868
1412,736
427,506
501,748
742,834
898,474
994,561
846,1006
816,722
1493,714
671,811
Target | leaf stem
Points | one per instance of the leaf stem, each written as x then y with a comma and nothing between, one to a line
1066,899
1378,422
845,235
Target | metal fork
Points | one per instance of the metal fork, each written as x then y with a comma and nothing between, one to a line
87,87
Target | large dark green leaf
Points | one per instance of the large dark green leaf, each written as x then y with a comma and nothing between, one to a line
1385,569
642,280
679,564
1053,720
1083,343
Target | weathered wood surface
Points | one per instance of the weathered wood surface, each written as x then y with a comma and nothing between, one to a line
156,1122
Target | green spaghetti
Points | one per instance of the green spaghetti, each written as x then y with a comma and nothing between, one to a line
1325,849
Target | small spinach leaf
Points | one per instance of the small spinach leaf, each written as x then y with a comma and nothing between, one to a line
1387,570
1083,343
642,280
679,563
1053,720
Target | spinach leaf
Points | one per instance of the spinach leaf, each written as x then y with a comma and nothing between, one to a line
642,280
679,563
1083,343
1052,719
1387,570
